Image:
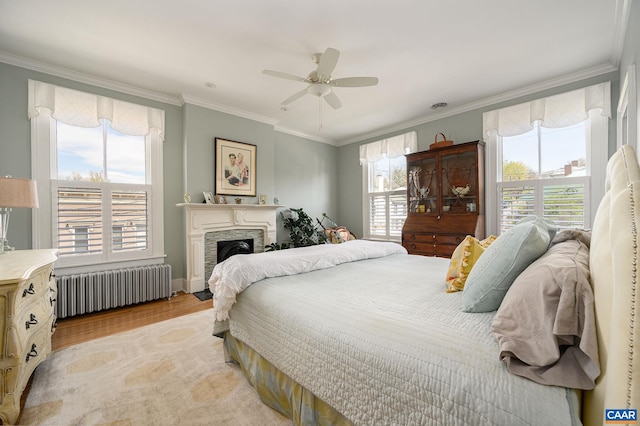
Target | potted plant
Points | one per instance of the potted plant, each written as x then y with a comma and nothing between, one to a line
302,231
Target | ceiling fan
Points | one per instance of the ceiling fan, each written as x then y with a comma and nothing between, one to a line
320,82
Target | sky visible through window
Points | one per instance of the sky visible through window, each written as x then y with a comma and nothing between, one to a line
81,153
559,147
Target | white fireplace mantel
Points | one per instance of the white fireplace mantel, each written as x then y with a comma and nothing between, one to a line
203,218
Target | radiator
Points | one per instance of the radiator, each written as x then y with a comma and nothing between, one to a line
95,291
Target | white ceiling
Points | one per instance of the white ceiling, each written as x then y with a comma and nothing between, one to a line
463,52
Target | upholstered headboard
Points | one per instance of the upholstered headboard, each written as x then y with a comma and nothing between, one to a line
613,265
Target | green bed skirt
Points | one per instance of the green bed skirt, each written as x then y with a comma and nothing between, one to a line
278,391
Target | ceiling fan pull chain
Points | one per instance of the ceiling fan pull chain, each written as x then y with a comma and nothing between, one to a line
319,113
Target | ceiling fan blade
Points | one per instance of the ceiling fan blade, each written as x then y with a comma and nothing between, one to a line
327,63
333,100
284,75
354,82
293,97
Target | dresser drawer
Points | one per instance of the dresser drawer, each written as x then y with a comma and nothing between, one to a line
35,351
30,319
429,249
33,288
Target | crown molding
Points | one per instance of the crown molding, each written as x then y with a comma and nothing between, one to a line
623,11
622,14
87,78
205,103
493,100
293,132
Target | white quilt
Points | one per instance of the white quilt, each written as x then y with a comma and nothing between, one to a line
238,272
381,342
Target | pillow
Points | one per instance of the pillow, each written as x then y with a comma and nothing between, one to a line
503,261
545,326
463,259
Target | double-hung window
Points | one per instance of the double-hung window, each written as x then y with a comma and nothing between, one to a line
98,163
547,158
384,168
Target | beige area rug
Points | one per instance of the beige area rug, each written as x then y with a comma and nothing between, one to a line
168,373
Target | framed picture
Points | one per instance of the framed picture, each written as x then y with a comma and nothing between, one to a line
221,199
235,168
208,197
262,199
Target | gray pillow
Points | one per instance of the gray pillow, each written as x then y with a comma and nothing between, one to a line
545,326
503,261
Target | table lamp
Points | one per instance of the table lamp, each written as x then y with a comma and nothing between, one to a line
14,193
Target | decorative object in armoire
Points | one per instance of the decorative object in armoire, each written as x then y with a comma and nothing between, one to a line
445,198
439,144
14,193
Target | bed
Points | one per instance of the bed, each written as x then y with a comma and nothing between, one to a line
363,333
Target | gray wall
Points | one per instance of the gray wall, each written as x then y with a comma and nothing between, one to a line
300,172
631,54
306,177
460,128
15,152
305,169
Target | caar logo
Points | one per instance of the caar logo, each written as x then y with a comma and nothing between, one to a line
625,417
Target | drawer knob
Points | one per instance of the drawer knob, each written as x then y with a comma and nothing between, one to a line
413,236
52,300
32,321
434,236
29,290
413,246
438,217
32,353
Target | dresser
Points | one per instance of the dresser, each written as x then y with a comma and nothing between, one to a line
27,319
445,198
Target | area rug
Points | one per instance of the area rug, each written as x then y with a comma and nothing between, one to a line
169,373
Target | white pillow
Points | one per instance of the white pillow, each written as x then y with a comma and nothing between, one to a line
503,261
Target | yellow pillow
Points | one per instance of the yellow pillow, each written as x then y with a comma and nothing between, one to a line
463,259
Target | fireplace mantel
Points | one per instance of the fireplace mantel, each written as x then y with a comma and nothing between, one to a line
203,218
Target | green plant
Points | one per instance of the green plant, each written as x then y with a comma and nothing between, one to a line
302,230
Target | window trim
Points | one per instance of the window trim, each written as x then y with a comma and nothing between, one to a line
367,213
43,160
597,151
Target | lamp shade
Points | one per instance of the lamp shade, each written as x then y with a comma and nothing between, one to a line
16,192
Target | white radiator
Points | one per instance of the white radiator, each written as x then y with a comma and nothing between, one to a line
90,292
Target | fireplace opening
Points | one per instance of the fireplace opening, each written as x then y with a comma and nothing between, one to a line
226,249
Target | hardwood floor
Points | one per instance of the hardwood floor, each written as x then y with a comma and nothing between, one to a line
82,328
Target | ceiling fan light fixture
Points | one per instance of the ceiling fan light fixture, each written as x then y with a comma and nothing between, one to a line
319,89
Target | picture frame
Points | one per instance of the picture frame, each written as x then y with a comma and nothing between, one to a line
221,199
262,200
235,168
208,197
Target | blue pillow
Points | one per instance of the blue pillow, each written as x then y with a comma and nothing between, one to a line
503,261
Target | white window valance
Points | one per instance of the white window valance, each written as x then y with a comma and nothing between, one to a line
390,148
83,109
561,110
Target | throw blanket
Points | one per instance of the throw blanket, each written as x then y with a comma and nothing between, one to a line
238,272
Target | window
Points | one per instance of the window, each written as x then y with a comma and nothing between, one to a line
547,158
544,173
385,186
100,188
